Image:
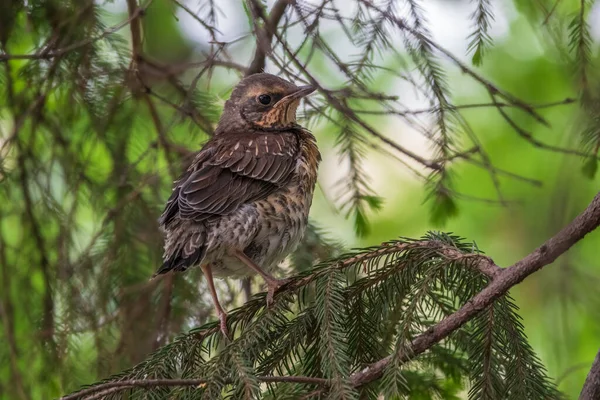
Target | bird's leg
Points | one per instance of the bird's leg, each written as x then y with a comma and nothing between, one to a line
272,283
213,292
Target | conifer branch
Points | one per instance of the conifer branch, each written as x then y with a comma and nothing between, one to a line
480,39
547,253
348,112
137,12
84,177
490,87
364,259
212,30
581,45
429,110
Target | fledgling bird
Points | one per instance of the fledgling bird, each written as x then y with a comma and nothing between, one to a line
242,205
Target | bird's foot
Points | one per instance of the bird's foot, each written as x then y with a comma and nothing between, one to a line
223,325
273,286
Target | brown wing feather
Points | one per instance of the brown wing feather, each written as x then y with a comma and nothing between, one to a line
231,171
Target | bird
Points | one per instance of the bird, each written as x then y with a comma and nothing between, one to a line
242,205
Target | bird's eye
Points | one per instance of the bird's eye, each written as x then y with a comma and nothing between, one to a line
264,99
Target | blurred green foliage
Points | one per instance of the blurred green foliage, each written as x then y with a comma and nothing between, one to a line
82,185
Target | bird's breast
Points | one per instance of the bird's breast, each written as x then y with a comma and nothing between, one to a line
283,215
269,229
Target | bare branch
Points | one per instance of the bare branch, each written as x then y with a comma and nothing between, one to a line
463,107
138,12
264,35
136,30
591,387
150,383
211,29
529,137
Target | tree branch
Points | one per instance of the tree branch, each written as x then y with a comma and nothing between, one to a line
583,224
443,250
501,281
591,387
491,88
75,46
541,145
347,111
432,110
264,35
211,29
151,383
136,30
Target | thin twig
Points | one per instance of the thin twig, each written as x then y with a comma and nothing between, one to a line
529,137
211,29
464,68
264,35
75,46
350,113
429,110
151,383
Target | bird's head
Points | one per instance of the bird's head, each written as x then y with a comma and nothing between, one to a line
263,101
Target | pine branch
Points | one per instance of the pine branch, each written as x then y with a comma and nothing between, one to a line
330,309
375,39
212,30
429,110
583,224
438,245
486,380
138,12
355,194
490,87
421,51
581,45
337,104
539,144
480,39
268,324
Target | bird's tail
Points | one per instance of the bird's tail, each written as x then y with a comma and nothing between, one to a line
183,254
179,264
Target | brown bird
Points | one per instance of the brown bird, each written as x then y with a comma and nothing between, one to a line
242,205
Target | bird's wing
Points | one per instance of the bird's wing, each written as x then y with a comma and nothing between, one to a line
230,171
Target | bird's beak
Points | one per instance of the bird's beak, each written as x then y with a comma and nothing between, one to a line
301,92
295,96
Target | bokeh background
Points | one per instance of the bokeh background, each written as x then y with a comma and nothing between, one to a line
83,308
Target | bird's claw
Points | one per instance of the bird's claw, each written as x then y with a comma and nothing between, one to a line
270,294
273,286
223,325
